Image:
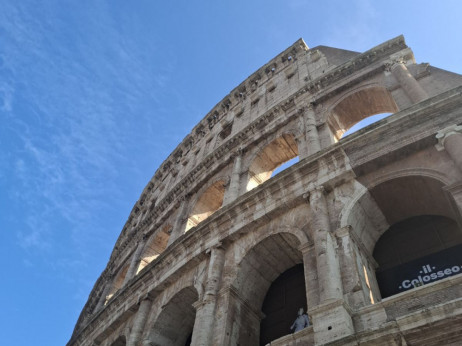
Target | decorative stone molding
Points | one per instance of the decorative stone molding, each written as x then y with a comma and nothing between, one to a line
442,135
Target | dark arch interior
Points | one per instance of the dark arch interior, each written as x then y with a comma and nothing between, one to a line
286,295
120,341
417,248
175,323
260,267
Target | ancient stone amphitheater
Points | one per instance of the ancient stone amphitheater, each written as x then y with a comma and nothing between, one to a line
363,232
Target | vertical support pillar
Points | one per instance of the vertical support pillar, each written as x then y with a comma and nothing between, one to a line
311,278
131,272
332,316
450,139
356,289
408,82
107,288
140,320
179,226
311,143
235,183
330,285
205,309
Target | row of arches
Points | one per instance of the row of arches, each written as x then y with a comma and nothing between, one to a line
353,109
275,278
357,108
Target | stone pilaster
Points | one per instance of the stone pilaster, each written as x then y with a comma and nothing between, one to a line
310,141
311,277
450,139
237,322
330,286
205,309
139,322
358,282
409,84
102,298
180,221
331,317
135,260
235,183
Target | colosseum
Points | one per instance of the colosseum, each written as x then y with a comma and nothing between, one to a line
362,231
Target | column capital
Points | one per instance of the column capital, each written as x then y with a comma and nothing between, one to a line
305,108
314,193
238,152
394,62
217,246
443,134
145,298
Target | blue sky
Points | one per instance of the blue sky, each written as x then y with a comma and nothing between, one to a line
95,94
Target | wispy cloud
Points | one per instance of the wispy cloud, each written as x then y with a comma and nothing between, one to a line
71,120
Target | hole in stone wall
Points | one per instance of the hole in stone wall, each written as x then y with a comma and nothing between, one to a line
226,131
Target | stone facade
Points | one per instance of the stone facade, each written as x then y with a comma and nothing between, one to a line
212,231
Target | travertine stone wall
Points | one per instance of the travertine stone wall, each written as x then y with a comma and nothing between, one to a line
212,229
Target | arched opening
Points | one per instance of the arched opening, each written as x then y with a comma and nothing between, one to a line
365,122
175,323
417,251
155,246
423,239
117,283
209,202
276,153
121,341
286,295
276,256
358,106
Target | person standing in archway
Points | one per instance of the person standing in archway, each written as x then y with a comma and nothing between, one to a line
301,321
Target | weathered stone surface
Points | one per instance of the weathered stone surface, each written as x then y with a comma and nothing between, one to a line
213,229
